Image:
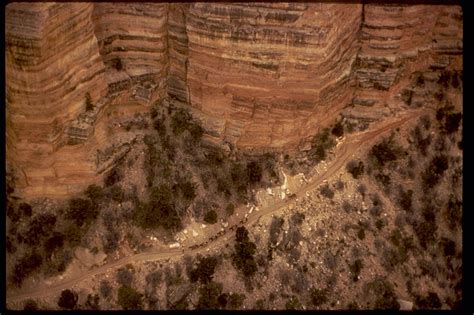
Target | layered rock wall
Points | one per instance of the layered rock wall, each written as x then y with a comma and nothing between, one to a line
263,74
132,39
52,61
258,75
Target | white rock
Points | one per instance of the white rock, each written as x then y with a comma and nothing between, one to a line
301,243
203,226
185,231
195,233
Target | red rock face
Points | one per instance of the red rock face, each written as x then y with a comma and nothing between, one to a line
266,75
259,75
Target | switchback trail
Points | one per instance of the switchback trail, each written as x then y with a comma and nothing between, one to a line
352,143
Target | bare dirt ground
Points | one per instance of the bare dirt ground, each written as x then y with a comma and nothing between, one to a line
342,154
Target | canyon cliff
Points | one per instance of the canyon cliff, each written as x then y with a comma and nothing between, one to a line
258,76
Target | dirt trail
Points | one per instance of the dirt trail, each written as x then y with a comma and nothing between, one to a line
352,143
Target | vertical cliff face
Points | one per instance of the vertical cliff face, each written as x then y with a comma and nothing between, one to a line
398,41
132,38
52,61
258,75
263,74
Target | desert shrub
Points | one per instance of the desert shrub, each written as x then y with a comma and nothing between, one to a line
361,234
25,209
452,122
297,218
24,267
129,298
275,230
405,199
117,193
113,177
209,295
229,210
40,226
320,143
347,207
435,170
355,169
124,277
56,241
81,211
431,301
293,304
160,211
153,279
254,171
448,247
94,192
105,288
377,205
188,189
425,232
89,104
236,300
30,305
196,131
421,143
318,296
68,299
243,256
453,212
204,269
355,269
326,191
338,129
222,300
361,189
385,297
385,152
210,217
110,241
92,302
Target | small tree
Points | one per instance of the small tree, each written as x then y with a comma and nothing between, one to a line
68,299
129,298
89,104
210,217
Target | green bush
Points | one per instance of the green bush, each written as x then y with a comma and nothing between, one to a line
209,296
160,210
318,296
229,210
204,269
30,305
326,191
81,211
68,299
254,171
210,217
129,298
338,130
243,256
94,192
385,152
355,269
355,169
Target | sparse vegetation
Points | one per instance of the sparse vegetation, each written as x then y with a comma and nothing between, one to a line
129,298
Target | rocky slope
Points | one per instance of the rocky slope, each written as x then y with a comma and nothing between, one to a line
259,75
